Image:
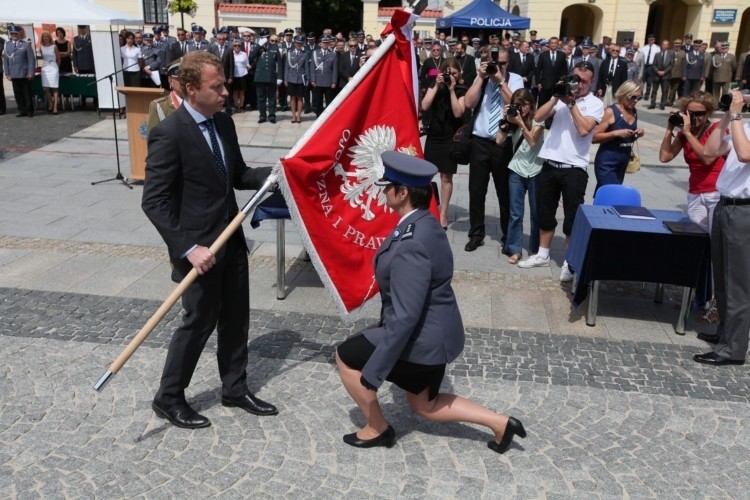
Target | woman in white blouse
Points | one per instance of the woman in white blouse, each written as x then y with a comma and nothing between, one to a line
238,82
132,60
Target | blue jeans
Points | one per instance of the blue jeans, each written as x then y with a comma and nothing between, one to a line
519,186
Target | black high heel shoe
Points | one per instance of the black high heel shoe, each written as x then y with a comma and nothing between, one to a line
385,439
513,428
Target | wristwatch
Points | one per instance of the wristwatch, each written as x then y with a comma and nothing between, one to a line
571,104
736,116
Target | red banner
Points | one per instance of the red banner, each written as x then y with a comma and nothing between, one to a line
329,181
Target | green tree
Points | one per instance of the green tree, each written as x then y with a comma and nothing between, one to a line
339,15
188,7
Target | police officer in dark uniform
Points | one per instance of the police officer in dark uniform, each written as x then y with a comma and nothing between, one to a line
324,72
309,48
198,42
150,61
285,46
266,59
420,329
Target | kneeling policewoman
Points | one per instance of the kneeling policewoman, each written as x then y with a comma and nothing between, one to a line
420,328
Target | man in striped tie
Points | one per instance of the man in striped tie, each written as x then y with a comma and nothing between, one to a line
487,96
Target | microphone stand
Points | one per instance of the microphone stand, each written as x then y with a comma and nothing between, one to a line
118,176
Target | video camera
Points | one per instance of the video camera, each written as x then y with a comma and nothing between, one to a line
567,86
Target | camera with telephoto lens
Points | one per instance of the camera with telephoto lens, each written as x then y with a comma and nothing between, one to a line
676,120
567,86
513,110
492,65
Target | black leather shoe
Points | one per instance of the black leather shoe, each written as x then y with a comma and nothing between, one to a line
251,404
261,120
651,106
513,428
19,115
711,358
386,439
473,244
661,107
711,338
272,120
180,415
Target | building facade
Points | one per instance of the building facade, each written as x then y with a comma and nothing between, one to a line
709,20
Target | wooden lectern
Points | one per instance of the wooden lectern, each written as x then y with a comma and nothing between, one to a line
137,100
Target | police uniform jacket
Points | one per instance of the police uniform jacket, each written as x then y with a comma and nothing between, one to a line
295,67
266,61
192,45
83,54
323,68
151,57
693,65
19,60
420,321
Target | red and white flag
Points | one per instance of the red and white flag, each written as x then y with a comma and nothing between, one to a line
328,177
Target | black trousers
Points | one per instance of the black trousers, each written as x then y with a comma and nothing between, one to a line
488,159
663,84
307,100
251,96
266,99
318,94
219,299
283,101
22,93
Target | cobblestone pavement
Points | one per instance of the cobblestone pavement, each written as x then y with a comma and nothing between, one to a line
605,418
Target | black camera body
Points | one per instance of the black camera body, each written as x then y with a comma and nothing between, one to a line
513,110
447,77
676,120
567,86
492,65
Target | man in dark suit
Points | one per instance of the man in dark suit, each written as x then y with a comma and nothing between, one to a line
194,164
348,63
613,71
550,68
177,49
522,63
467,62
2,87
662,74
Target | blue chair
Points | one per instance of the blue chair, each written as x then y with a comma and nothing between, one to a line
617,194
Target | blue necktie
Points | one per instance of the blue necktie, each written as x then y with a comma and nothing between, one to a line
216,150
495,108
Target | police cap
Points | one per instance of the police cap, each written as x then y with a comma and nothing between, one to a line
148,36
157,29
288,31
401,168
174,68
14,29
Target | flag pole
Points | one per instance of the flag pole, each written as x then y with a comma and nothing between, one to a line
416,8
188,280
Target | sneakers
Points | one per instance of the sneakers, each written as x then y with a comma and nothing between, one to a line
533,261
565,275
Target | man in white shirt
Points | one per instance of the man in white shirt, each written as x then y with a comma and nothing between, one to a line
730,239
650,77
566,159
489,93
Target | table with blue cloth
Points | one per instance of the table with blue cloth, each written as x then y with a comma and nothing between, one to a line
274,207
604,246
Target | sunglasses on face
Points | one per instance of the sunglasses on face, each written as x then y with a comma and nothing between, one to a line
635,97
698,114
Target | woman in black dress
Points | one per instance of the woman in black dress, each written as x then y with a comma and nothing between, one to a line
445,99
65,49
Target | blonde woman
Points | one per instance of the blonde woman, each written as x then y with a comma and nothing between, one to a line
616,134
50,71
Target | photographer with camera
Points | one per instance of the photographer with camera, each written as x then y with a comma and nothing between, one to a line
491,90
445,101
730,237
692,121
527,137
575,111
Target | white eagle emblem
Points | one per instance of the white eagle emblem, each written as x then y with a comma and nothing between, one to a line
359,186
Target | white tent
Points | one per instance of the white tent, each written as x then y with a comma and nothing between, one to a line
68,12
104,40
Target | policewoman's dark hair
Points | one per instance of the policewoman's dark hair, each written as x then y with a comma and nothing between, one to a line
419,197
